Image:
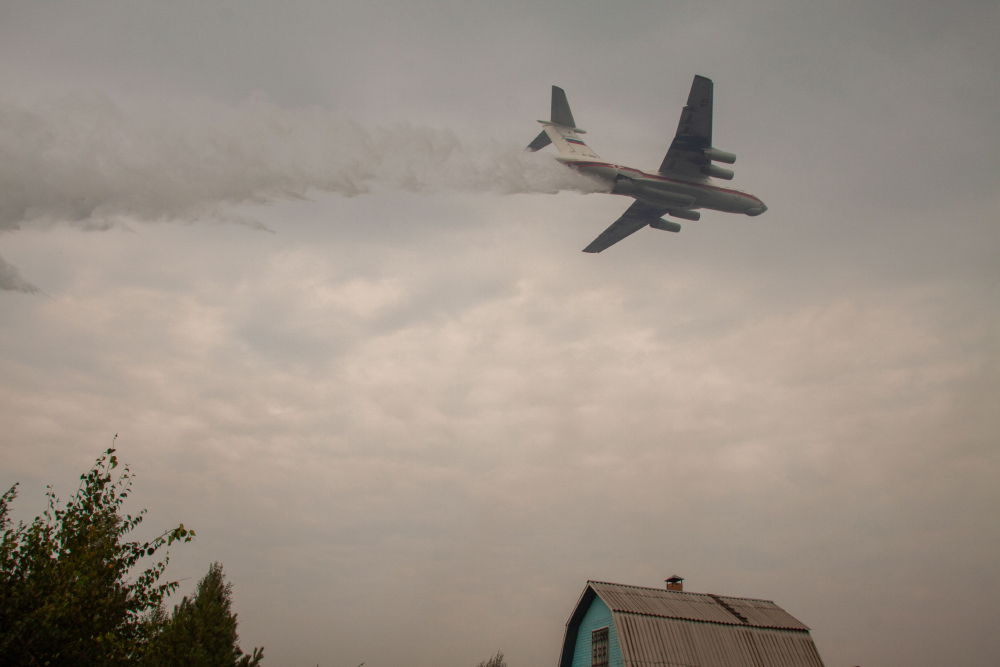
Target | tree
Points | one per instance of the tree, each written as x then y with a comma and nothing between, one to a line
202,632
495,661
66,596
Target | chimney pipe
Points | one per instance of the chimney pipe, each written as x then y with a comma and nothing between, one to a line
675,583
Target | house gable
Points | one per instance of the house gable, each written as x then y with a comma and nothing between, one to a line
597,616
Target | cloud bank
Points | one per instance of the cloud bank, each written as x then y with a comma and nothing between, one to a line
371,433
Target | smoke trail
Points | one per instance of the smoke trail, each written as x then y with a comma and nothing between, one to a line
93,160
11,280
90,159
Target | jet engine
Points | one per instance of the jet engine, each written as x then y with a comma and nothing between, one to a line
720,156
718,172
665,225
687,214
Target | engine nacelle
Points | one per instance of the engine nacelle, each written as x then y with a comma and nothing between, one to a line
718,172
684,213
720,156
665,225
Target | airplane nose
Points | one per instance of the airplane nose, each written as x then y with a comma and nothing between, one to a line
757,210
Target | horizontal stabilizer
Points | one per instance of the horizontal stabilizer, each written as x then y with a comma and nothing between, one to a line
561,115
540,142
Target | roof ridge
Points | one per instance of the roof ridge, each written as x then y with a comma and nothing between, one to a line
735,597
650,588
664,590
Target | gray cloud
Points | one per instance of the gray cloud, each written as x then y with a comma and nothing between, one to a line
353,434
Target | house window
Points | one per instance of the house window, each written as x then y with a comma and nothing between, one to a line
599,648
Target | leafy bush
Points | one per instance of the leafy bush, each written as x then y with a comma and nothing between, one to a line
66,596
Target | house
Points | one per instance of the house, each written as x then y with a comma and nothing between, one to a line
614,625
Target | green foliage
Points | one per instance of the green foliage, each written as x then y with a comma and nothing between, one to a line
495,661
202,632
66,596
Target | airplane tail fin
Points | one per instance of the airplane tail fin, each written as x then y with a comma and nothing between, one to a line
561,130
561,115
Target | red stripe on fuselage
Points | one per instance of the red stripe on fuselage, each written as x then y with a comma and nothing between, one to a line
662,178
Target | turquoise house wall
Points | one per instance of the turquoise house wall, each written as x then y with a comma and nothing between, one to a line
598,616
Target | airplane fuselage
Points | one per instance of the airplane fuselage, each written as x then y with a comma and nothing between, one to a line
670,190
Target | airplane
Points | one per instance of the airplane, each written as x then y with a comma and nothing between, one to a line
683,183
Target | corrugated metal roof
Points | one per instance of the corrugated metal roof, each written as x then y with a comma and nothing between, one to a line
763,613
656,602
648,640
695,606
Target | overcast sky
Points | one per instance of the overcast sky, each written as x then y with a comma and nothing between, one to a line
292,253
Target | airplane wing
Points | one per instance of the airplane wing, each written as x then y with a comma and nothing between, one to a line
694,131
635,218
